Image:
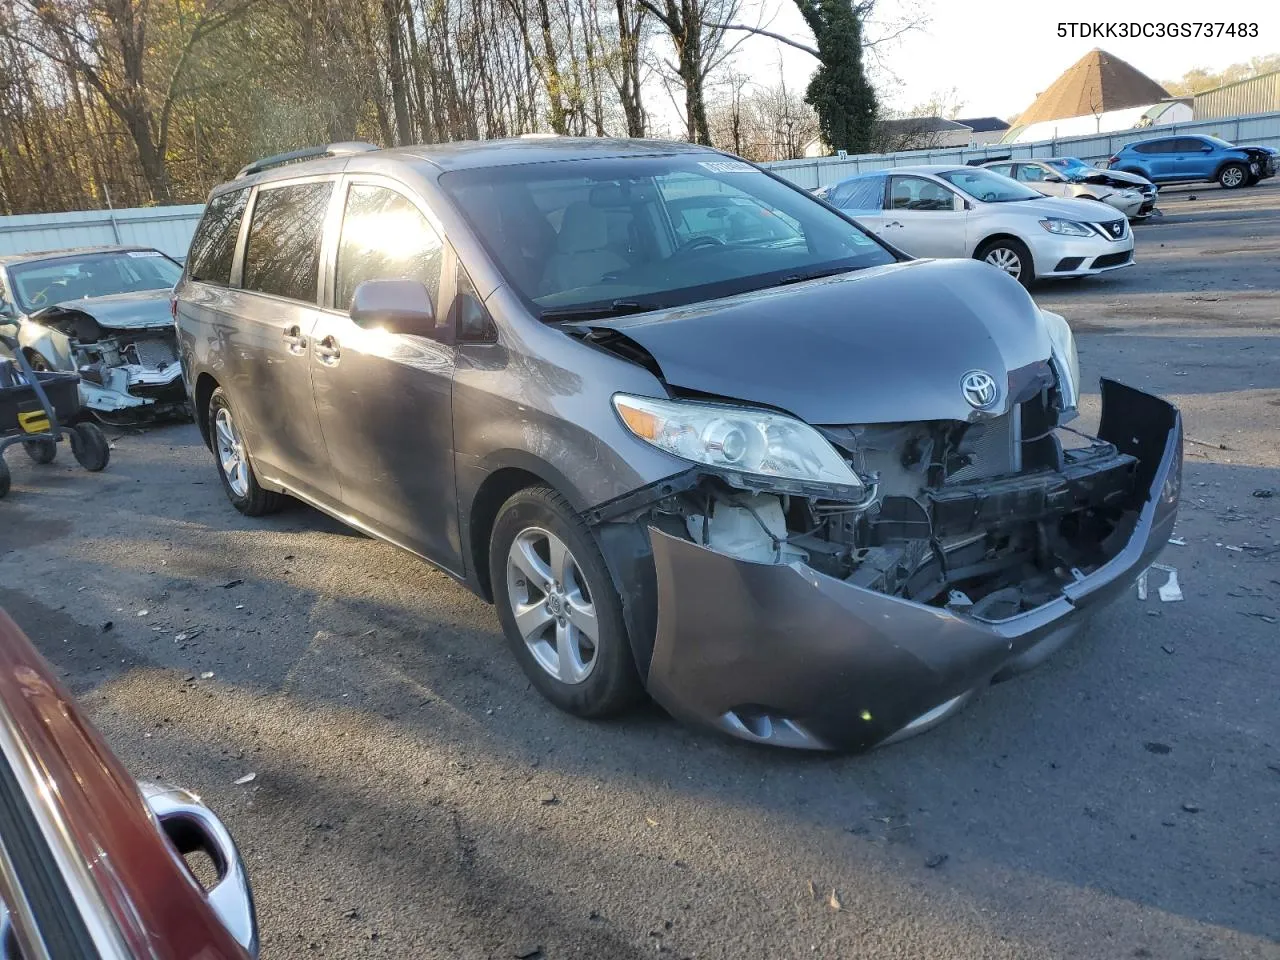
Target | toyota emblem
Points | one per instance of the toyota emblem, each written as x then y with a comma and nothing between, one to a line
979,388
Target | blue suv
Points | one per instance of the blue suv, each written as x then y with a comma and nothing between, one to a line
1181,159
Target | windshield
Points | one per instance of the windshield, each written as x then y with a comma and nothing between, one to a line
988,186
1219,141
42,283
642,232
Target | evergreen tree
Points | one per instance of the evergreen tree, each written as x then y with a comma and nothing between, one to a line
840,92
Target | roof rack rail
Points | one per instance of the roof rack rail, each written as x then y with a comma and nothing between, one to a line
306,153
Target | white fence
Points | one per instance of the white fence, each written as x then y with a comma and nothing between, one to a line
1262,129
168,229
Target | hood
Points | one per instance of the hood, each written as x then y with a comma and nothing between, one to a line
1117,178
121,311
881,345
1257,150
1064,208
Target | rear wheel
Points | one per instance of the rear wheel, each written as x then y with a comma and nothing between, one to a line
1009,255
558,606
90,446
41,451
1233,175
234,466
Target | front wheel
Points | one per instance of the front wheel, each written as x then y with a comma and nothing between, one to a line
1008,255
558,606
234,467
1232,175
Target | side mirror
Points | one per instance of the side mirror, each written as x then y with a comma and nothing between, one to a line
397,306
1206,149
959,203
1051,178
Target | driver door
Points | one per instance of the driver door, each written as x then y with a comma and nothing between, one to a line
925,218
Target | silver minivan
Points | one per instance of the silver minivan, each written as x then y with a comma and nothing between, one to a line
693,431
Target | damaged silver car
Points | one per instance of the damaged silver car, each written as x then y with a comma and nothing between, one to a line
104,313
692,431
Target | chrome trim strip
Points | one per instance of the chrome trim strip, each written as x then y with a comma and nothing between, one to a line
37,791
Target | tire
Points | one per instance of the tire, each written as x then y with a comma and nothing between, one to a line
5,479
43,450
1232,176
602,678
1252,181
89,444
231,454
1001,249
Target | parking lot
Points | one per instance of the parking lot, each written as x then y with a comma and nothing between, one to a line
411,796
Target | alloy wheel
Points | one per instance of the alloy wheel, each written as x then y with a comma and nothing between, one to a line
235,464
1007,260
1232,177
552,605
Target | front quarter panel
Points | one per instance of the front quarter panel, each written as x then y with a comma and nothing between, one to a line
49,343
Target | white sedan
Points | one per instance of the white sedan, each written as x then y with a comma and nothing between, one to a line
1132,195
946,211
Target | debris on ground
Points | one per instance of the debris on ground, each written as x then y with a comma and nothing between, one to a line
207,675
1264,617
108,626
937,860
231,583
529,953
142,613
1207,443
547,798
1178,541
1264,493
1142,585
833,900
1155,746
1190,808
247,778
1170,591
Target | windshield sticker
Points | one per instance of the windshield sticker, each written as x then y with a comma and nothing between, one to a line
727,166
143,253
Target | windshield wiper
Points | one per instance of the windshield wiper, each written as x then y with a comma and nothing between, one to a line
813,275
618,308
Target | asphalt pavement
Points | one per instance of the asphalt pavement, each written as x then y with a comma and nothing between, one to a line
413,797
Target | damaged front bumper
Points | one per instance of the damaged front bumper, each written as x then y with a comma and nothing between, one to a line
779,653
133,388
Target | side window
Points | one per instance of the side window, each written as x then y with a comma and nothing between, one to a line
865,194
1030,173
916,193
471,320
1004,169
1150,146
384,237
1190,145
282,255
214,245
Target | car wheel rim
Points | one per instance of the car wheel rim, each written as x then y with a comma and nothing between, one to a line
231,455
1232,177
552,605
1005,259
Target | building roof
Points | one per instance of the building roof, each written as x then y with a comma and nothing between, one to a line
984,124
1096,83
922,124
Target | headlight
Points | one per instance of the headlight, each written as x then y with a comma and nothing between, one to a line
1066,228
737,439
1065,361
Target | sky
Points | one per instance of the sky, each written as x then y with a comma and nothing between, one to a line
1000,55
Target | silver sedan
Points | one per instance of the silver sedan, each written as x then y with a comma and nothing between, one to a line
1131,195
947,211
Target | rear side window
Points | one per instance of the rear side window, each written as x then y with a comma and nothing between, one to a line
384,237
1192,145
282,255
865,194
1156,146
1004,169
214,245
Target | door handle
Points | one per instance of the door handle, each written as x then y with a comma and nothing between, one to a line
328,351
295,341
893,223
